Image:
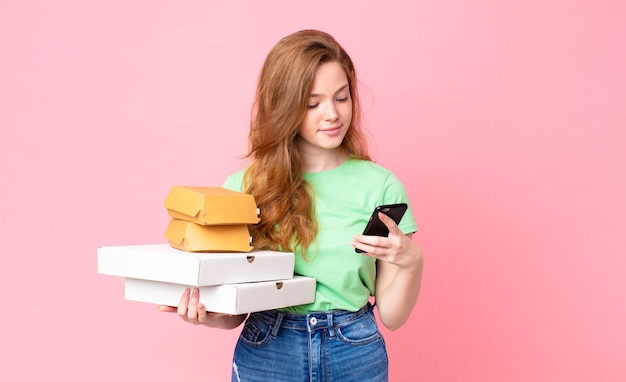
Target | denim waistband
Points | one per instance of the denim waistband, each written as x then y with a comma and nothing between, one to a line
311,321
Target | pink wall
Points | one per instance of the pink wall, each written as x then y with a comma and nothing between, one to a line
505,120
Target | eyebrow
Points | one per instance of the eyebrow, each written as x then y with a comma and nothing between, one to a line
338,90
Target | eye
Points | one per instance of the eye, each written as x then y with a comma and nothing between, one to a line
344,99
312,106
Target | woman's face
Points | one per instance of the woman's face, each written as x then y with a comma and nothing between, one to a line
329,111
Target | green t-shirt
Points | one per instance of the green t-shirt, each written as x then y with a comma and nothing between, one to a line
344,198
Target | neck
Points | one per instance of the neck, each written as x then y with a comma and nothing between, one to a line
322,162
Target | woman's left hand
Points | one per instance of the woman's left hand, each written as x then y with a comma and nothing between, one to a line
397,248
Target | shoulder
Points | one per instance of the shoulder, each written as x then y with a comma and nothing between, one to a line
382,179
234,181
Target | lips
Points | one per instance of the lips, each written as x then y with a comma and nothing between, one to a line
331,129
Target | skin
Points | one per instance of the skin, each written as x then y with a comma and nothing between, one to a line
190,310
328,117
399,259
399,266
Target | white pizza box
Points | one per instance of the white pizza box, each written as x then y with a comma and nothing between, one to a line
236,298
161,262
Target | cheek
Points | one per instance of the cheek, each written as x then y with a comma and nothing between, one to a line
346,109
308,124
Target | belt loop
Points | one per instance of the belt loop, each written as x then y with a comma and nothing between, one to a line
331,325
277,323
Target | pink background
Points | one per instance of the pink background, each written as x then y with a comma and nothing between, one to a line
505,120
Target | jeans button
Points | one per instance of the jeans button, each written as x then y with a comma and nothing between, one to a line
313,321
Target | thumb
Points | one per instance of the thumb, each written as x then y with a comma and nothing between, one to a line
166,308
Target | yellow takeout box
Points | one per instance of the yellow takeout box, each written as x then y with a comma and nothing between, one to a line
191,237
211,206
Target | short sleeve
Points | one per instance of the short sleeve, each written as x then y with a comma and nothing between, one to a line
394,192
234,181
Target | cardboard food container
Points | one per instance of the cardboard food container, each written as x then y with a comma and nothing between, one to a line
161,262
228,298
211,205
192,237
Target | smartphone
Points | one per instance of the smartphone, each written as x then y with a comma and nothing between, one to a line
376,227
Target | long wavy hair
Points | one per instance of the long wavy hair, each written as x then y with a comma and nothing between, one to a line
275,176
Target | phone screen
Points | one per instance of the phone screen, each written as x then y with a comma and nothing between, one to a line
376,227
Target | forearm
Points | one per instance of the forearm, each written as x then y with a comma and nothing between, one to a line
400,296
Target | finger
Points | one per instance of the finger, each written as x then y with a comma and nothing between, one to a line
167,308
192,309
370,245
184,303
372,240
202,313
391,225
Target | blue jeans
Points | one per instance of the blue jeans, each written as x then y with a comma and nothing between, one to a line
341,346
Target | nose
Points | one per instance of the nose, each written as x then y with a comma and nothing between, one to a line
330,111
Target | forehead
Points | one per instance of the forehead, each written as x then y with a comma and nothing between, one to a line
329,76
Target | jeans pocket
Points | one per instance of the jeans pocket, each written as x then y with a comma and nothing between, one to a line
255,332
361,331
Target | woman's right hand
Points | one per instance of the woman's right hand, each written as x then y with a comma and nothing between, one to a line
192,311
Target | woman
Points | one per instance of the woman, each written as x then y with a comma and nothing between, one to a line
316,186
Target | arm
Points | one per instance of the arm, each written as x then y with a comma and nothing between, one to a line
193,312
400,264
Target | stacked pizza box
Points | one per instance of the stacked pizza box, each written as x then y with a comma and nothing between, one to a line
209,248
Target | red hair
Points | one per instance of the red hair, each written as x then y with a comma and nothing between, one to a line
275,175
